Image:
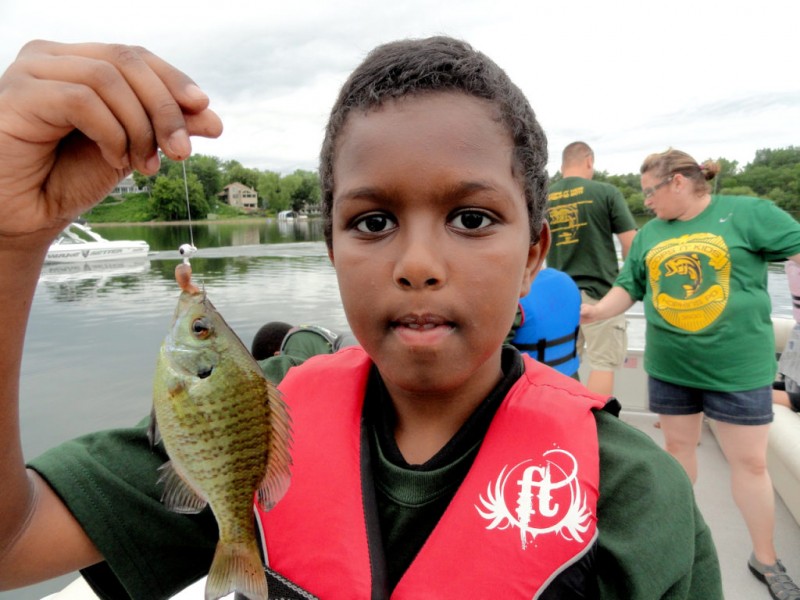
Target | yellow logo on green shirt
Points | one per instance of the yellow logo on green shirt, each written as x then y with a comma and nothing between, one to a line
690,279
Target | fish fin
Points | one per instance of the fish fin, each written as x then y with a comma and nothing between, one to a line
153,434
237,567
279,463
178,495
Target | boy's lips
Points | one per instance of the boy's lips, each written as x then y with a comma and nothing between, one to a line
420,321
422,329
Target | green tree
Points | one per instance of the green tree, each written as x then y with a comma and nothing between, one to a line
169,198
269,191
787,200
741,190
143,181
301,195
164,168
307,193
760,178
205,168
288,191
635,202
776,158
209,172
233,171
726,177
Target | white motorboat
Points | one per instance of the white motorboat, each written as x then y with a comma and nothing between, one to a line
79,243
287,215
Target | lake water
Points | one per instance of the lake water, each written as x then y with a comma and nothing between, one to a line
95,329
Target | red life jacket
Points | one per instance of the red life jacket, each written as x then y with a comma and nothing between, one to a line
525,511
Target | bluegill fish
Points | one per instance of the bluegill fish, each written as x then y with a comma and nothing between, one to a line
226,432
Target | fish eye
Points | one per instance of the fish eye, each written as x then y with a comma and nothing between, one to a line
201,328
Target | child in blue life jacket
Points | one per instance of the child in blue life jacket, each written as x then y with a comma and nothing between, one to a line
550,316
429,461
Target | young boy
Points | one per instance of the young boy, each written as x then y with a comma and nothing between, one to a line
431,461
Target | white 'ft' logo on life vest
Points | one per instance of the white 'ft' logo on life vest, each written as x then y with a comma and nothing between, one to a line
547,499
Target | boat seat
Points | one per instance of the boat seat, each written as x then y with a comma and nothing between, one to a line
783,457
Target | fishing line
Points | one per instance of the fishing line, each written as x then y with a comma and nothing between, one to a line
187,250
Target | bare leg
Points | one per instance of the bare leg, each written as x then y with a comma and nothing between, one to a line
681,436
601,382
781,397
745,447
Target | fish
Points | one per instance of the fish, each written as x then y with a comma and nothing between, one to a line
689,266
226,431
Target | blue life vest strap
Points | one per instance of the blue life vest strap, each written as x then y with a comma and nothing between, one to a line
544,343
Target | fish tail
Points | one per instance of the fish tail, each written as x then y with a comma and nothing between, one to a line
237,567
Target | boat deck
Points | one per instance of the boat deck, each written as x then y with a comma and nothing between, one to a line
712,491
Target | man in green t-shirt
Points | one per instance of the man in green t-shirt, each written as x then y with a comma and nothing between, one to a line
584,216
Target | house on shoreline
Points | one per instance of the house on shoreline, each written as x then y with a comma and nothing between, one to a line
239,195
128,186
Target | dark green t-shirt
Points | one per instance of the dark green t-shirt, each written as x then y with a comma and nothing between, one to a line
653,542
584,215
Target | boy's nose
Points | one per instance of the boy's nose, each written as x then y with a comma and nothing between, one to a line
420,263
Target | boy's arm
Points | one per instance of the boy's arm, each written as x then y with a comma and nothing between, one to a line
653,541
74,120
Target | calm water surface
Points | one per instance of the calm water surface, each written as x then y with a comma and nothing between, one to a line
95,329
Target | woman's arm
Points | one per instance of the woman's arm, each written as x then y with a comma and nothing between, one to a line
615,302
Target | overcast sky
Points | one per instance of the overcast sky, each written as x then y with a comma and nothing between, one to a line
713,78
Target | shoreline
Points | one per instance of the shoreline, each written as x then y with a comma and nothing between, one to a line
184,222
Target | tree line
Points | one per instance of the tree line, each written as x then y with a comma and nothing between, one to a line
207,176
773,174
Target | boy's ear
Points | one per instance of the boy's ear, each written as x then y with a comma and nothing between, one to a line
536,255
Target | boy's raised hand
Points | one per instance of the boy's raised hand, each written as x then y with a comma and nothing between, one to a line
77,118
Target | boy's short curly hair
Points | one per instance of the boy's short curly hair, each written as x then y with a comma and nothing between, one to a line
440,64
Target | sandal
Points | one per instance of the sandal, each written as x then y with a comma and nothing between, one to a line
779,584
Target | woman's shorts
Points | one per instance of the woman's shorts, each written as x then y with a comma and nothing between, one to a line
749,407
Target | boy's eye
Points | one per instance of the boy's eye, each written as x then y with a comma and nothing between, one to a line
471,219
375,223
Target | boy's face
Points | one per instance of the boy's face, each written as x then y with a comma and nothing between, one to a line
431,240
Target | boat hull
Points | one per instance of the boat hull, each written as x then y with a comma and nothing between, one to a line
79,243
92,251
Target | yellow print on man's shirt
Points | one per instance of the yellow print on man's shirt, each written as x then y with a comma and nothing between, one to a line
690,279
571,193
565,221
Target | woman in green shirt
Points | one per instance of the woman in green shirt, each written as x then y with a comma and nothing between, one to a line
700,269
